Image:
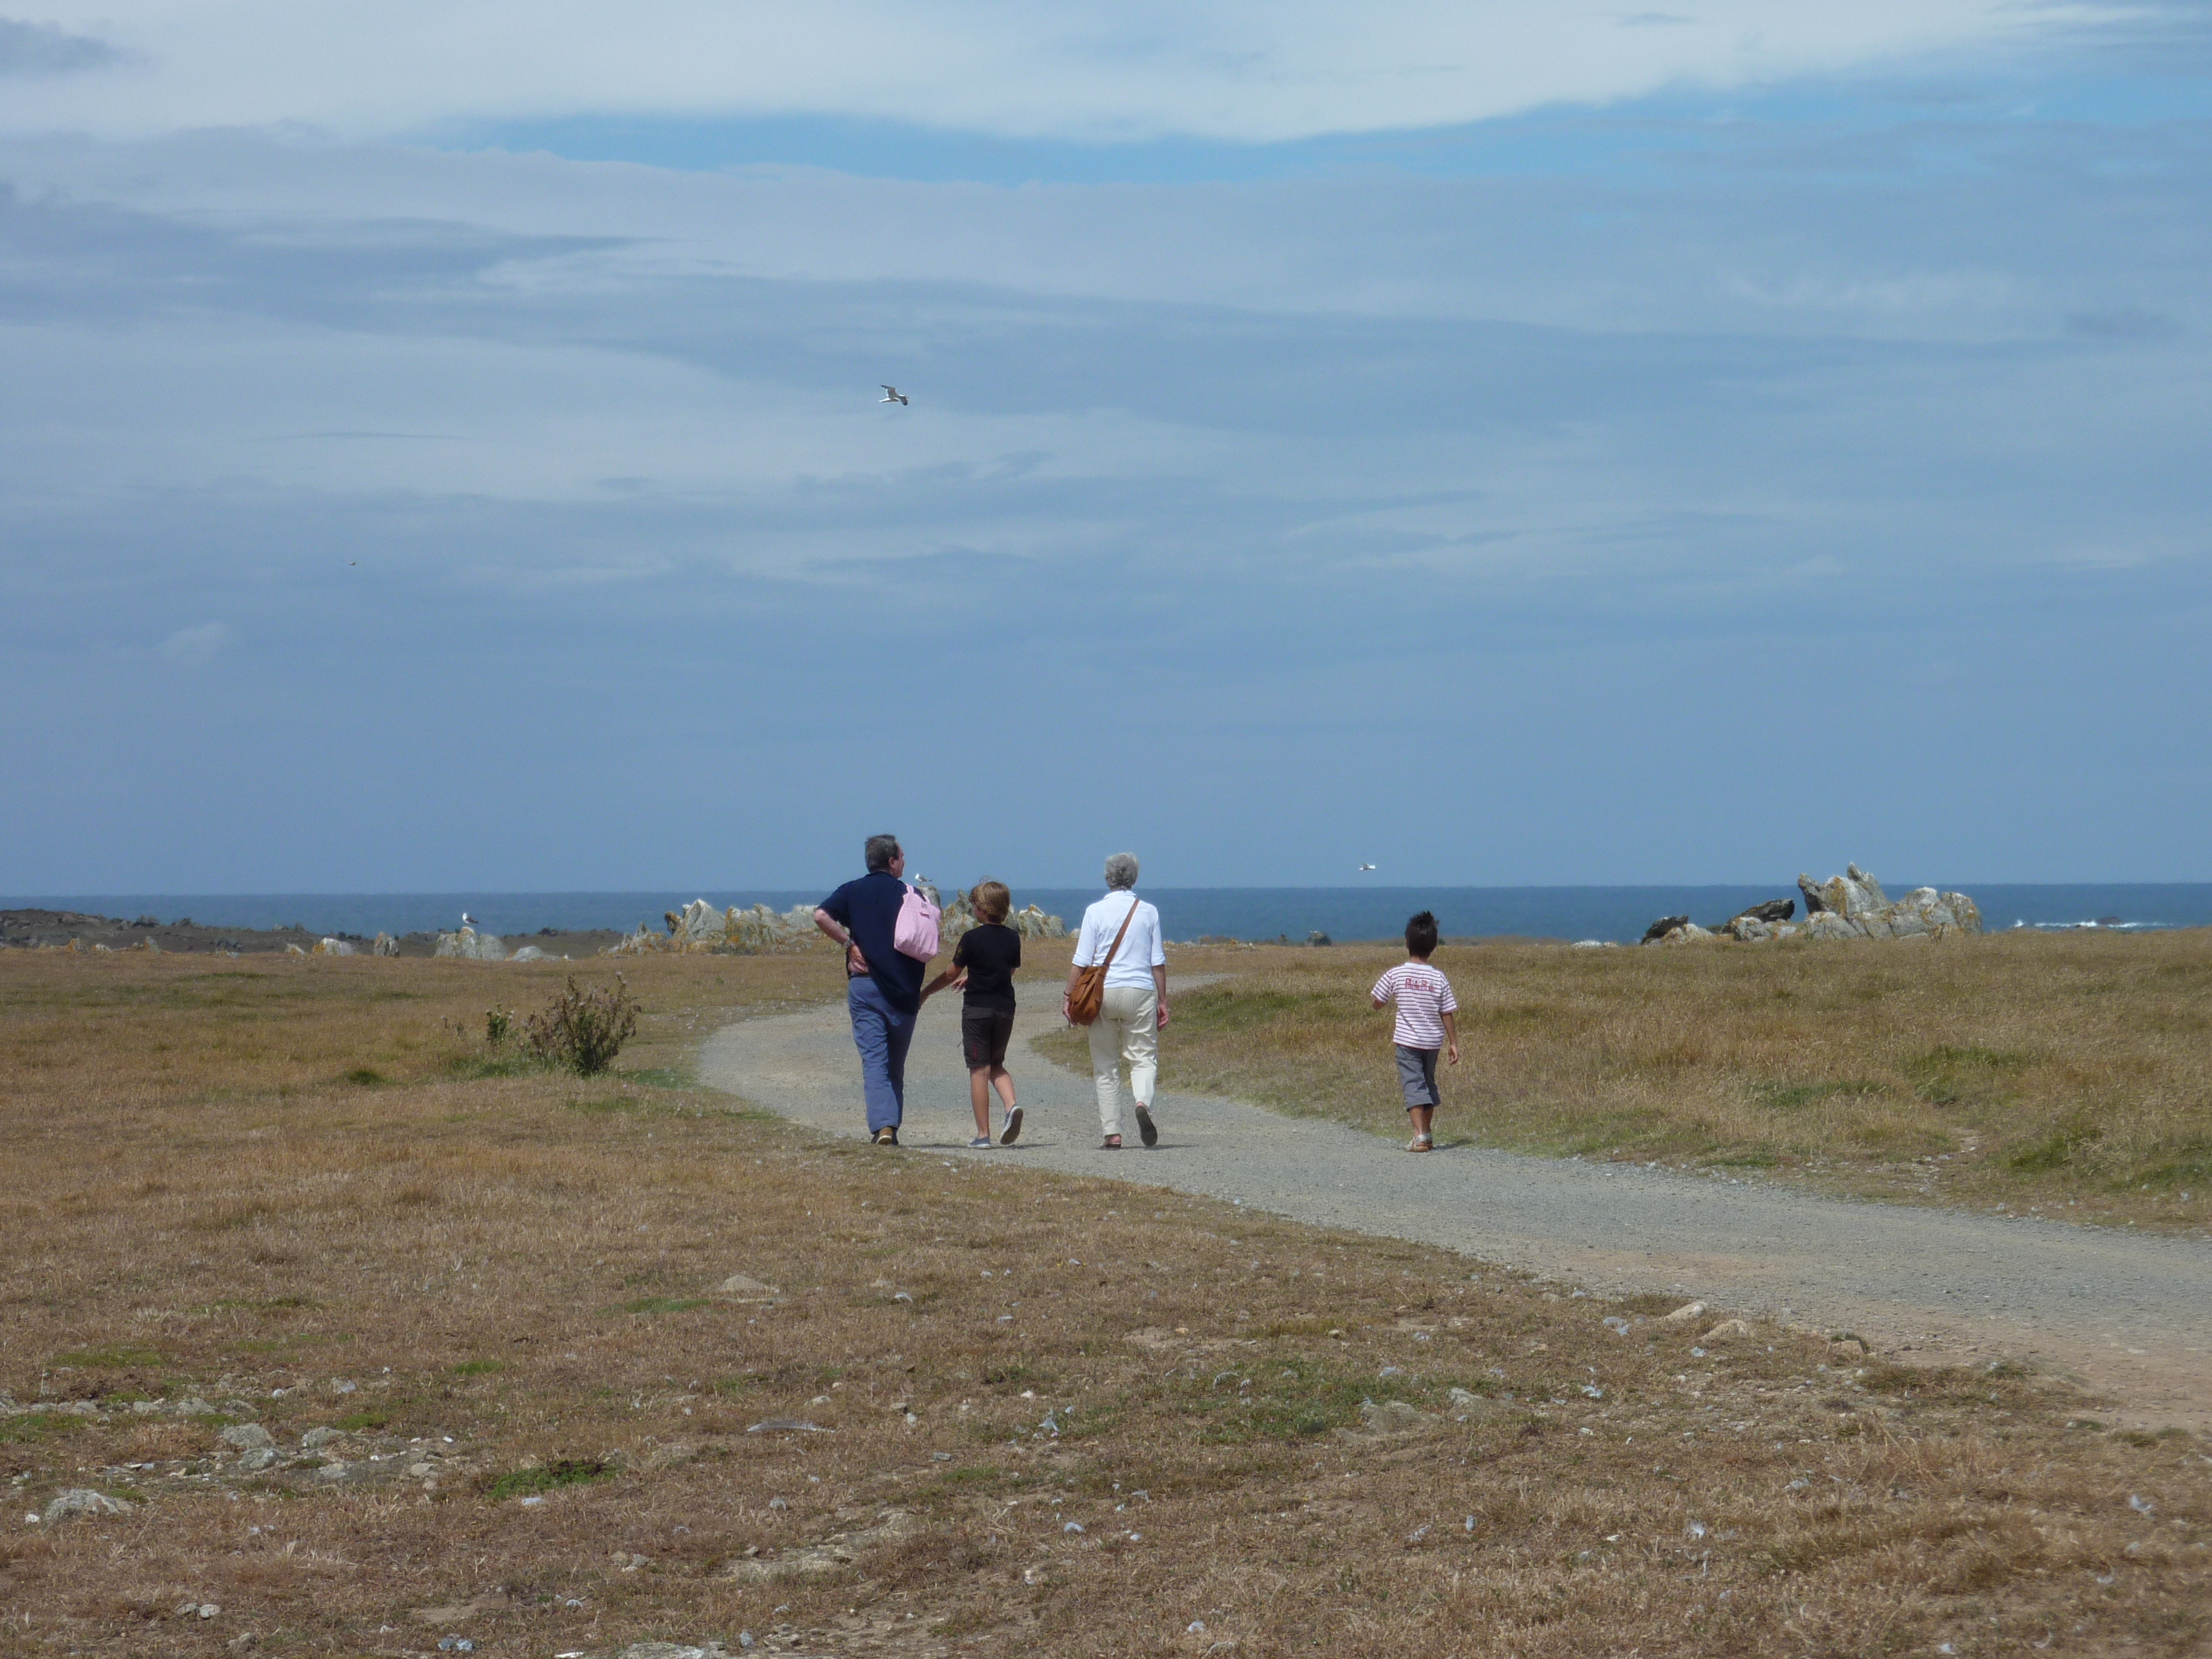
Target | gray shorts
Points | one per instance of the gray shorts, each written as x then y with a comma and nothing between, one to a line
1416,1075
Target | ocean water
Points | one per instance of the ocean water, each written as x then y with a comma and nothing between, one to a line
1186,913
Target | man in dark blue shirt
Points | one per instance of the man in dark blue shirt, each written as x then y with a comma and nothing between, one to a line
882,986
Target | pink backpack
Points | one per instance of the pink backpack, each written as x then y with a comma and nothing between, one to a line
914,935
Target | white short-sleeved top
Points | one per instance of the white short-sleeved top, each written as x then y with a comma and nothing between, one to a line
1141,952
1423,997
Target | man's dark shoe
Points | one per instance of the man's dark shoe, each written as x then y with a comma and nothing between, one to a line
887,1137
1148,1128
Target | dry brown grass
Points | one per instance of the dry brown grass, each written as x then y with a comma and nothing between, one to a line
200,1201
2067,1075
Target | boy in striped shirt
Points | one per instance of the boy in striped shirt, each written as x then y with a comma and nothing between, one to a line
1426,1007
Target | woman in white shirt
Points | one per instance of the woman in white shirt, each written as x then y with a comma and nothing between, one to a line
1136,1004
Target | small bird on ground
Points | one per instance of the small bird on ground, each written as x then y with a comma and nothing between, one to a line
467,920
891,395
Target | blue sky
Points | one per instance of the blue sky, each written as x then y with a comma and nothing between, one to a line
438,446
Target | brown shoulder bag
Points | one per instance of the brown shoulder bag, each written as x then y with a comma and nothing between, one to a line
1089,995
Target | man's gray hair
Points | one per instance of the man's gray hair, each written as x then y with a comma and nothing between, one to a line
1122,871
879,852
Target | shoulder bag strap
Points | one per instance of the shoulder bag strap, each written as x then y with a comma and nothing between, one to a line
1115,948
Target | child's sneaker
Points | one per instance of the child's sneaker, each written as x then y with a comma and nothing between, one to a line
980,1143
1011,1133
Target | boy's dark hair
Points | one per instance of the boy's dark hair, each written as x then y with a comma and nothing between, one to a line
1421,935
992,900
879,852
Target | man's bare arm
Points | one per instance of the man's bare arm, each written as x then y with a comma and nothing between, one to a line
855,961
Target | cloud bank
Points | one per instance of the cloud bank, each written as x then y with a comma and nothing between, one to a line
1246,72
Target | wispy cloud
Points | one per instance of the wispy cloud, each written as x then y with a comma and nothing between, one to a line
29,49
1107,72
198,645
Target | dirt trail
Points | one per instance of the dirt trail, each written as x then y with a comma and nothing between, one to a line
2125,1313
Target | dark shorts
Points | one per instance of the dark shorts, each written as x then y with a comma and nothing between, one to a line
983,1035
1417,1076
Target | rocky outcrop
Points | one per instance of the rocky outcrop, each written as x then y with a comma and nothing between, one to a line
957,917
1855,900
1849,906
472,945
331,947
385,946
699,928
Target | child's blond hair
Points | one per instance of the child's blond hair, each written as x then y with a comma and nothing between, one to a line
992,900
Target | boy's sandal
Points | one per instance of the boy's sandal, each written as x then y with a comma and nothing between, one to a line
1421,1144
1111,1144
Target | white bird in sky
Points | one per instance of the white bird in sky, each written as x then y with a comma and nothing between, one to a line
1366,867
891,395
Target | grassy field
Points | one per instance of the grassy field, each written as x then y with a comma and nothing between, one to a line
2061,1075
484,1315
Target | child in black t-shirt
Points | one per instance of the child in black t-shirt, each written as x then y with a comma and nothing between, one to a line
984,963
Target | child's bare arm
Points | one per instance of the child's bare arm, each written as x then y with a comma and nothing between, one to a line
1451,1040
950,976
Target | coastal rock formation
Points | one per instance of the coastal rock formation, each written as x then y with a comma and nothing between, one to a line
385,946
472,945
331,947
1849,906
1855,900
699,928
528,953
1029,921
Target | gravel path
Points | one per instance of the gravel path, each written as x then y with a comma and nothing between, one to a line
2129,1313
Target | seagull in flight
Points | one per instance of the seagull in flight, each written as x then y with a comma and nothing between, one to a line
1365,867
891,395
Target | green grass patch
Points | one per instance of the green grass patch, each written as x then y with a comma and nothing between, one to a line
30,1429
2176,1164
660,1076
367,1076
2055,1151
1233,1008
1792,1097
1952,1074
110,1357
664,1304
1289,1400
368,1420
546,1477
475,1368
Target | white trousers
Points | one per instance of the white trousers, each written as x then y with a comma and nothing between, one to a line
1128,1028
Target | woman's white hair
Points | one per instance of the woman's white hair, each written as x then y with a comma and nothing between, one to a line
1121,870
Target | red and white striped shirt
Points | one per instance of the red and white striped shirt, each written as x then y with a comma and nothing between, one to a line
1424,998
